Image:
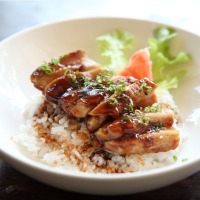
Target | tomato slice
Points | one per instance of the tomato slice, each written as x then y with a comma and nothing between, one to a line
140,65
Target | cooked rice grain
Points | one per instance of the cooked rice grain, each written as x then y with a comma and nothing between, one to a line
57,140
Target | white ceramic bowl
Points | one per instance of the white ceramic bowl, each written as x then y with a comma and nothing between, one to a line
23,52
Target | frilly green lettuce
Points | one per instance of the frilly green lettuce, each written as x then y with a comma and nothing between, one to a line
166,71
115,48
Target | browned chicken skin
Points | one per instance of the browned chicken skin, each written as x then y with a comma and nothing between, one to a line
73,61
135,125
134,92
121,113
57,88
149,142
40,79
94,122
78,103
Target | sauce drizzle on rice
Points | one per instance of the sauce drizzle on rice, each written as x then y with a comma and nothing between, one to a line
64,142
97,122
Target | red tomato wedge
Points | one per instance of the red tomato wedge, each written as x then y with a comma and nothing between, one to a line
140,65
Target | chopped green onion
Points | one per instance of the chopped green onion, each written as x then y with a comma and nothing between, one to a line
175,158
46,68
73,77
104,77
86,81
143,120
152,108
145,88
111,88
126,117
55,61
147,109
130,105
112,101
184,160
67,71
121,87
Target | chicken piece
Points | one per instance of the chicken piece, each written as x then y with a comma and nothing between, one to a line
100,113
73,61
41,79
135,92
56,88
148,100
164,118
142,92
97,145
105,107
135,125
117,79
68,99
78,60
119,128
84,105
94,122
149,142
82,101
94,72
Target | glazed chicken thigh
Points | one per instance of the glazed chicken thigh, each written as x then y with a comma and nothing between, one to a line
121,113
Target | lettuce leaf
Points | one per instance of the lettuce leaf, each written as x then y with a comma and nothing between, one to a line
166,71
116,47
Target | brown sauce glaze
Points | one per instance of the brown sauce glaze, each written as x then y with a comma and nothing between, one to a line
112,107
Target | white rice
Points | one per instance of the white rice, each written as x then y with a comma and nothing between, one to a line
59,141
194,117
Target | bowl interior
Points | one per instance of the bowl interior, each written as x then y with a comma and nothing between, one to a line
22,53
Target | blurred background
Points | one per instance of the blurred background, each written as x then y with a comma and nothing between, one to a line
16,15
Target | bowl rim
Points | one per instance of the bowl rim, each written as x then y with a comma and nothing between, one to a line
53,22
